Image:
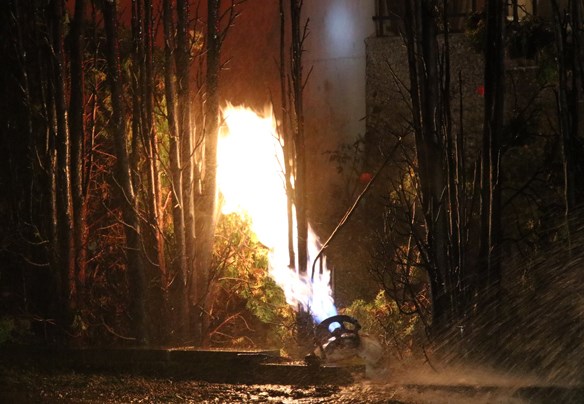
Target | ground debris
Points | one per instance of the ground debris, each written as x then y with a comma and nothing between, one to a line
29,384
64,386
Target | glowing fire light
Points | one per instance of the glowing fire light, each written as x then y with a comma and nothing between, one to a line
251,180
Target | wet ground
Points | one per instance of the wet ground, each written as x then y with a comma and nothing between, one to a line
32,385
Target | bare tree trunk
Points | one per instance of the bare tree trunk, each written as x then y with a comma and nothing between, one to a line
575,98
187,159
489,278
44,155
180,291
144,96
154,193
423,63
206,209
152,139
56,303
77,135
568,45
287,137
304,322
63,172
143,133
299,141
123,178
453,155
32,136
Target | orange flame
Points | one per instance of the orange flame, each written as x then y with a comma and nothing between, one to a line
251,181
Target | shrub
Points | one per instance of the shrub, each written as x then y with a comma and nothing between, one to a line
381,318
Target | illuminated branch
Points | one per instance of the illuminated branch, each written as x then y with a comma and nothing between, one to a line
350,211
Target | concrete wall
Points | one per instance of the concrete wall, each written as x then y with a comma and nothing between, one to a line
334,96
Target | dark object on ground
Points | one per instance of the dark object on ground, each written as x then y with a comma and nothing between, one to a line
337,341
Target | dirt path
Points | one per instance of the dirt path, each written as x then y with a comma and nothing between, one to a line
59,386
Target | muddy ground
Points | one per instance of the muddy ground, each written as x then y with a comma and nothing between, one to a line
32,385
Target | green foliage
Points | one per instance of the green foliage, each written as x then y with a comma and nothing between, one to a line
14,330
348,161
382,318
475,31
6,328
527,38
246,293
347,156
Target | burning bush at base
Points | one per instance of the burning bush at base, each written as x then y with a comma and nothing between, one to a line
247,308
